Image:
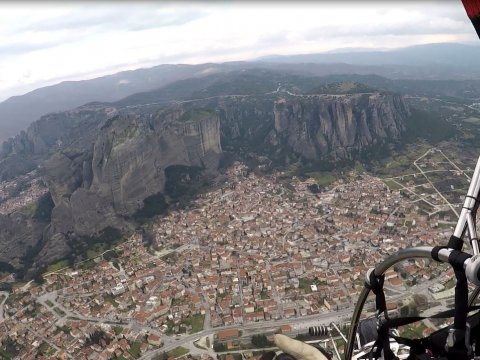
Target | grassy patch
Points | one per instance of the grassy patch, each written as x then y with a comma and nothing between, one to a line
118,330
264,295
88,247
96,250
322,179
59,311
392,185
45,349
450,284
58,265
305,285
196,322
196,115
109,298
178,351
427,125
135,349
413,332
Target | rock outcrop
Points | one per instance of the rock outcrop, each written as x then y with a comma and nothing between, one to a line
315,127
101,163
339,126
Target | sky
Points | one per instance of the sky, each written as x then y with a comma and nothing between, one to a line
48,42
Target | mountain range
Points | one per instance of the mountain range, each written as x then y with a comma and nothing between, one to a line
425,62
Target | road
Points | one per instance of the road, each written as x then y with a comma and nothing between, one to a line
2,304
454,165
432,184
234,96
301,323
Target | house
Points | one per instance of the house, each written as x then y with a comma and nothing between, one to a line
154,340
228,334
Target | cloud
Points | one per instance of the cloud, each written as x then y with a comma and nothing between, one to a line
104,18
59,41
395,20
73,25
23,48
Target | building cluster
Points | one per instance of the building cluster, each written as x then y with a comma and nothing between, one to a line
21,192
256,249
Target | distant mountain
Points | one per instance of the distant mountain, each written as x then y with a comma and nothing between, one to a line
457,60
17,112
447,54
434,62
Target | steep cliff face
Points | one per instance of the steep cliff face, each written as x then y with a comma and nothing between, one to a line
315,127
18,234
336,127
104,187
99,167
130,155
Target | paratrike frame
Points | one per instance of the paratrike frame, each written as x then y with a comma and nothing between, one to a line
466,266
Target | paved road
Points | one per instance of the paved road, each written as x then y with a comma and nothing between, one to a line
2,312
264,326
432,184
236,96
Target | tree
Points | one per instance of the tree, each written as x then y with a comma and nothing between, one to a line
38,279
218,346
261,341
161,356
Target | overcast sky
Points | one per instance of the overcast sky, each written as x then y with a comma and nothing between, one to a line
45,43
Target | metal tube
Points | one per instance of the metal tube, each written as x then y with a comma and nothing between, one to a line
473,296
354,324
472,233
338,330
335,347
415,252
472,192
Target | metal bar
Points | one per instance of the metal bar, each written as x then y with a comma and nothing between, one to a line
338,330
472,233
473,192
354,324
335,347
473,296
415,252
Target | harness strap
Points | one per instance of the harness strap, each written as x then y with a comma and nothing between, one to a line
376,285
383,339
435,252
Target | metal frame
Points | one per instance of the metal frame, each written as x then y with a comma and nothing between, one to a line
465,224
419,252
466,220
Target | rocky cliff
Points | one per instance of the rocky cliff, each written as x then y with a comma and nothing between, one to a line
314,127
338,127
101,163
100,168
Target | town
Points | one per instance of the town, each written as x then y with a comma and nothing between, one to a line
259,252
